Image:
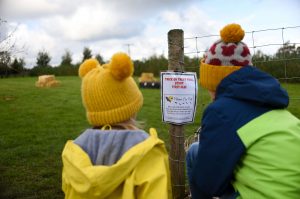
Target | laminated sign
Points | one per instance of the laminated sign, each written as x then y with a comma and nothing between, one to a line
178,97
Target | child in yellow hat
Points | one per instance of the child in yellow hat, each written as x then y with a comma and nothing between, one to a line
114,159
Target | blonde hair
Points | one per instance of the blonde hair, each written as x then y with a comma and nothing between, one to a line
130,124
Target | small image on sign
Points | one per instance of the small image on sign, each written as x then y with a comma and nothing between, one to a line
179,97
169,98
180,100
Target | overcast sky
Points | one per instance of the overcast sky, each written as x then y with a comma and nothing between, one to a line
108,26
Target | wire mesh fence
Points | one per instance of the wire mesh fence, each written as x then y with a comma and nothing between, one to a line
261,43
274,50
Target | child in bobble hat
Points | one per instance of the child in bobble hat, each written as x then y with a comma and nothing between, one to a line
114,159
249,144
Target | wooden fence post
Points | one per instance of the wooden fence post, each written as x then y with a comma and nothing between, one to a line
176,132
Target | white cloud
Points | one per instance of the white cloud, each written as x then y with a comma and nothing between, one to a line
32,41
104,26
195,23
92,23
30,9
107,32
107,26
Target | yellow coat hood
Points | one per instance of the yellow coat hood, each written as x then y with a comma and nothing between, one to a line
142,172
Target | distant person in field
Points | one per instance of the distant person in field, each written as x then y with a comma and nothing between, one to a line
114,158
249,143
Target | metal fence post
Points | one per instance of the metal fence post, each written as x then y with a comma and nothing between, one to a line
176,132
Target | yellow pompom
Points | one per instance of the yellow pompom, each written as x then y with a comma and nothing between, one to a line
232,33
121,66
87,66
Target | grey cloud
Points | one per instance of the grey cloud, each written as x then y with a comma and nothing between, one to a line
119,31
34,9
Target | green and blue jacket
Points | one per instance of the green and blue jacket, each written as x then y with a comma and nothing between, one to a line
249,142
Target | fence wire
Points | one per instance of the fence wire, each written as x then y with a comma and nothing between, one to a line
198,39
258,44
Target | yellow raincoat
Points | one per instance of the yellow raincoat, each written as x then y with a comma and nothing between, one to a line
142,173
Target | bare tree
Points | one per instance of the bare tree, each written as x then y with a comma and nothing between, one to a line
8,48
7,40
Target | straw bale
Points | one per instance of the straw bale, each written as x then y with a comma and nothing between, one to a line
147,77
53,83
47,81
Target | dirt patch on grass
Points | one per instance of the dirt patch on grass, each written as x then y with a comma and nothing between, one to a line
8,98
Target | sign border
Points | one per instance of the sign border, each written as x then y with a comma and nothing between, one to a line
195,97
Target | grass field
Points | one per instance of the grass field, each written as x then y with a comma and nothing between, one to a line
35,124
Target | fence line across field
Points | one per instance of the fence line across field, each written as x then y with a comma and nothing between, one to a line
196,38
284,40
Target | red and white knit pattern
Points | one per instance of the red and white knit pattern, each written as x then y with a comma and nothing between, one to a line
228,54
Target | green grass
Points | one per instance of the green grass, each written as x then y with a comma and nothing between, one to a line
35,123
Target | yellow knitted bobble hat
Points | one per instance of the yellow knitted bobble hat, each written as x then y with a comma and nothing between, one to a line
109,93
224,57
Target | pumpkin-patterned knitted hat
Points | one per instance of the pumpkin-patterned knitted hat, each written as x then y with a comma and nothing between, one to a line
224,57
109,93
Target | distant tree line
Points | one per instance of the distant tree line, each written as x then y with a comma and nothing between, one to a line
11,66
284,63
65,68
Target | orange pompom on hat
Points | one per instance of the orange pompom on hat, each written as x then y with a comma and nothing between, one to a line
224,57
109,93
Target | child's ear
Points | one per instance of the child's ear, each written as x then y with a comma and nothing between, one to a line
87,66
